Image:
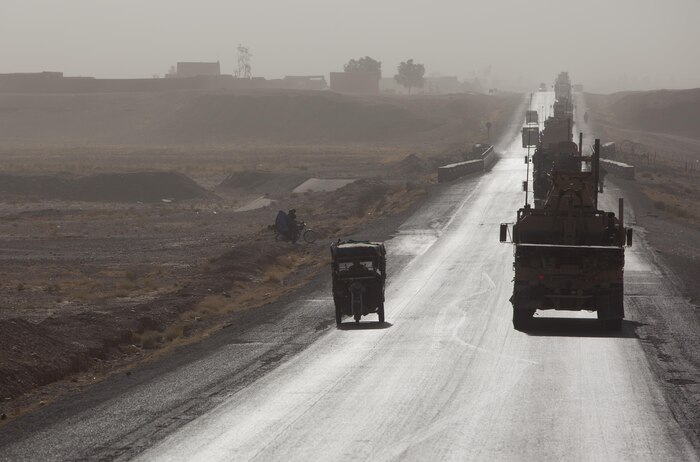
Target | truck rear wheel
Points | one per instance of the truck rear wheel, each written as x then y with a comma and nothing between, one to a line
522,318
380,312
616,305
611,325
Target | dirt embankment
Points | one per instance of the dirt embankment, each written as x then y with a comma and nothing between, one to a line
41,353
660,125
674,112
658,133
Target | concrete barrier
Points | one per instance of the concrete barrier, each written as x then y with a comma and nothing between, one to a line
489,157
453,171
618,168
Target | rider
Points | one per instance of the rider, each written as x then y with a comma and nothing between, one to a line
292,225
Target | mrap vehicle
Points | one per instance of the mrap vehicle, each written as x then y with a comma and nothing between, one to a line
531,117
531,135
569,255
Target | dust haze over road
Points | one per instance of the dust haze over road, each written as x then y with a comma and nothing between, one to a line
447,378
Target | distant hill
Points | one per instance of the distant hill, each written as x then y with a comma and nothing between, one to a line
674,112
300,117
262,116
105,187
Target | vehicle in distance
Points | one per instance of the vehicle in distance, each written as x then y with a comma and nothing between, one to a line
531,117
531,136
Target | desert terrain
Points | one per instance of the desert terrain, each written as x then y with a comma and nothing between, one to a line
133,223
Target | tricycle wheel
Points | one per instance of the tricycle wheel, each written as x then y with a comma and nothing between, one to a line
338,316
522,318
310,236
380,312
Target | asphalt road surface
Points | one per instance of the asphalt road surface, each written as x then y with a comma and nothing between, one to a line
446,378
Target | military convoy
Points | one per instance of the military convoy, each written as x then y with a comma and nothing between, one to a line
569,254
555,142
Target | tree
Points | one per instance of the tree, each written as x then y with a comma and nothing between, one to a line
410,75
243,69
365,64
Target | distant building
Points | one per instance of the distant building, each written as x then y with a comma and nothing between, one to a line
305,82
355,82
197,69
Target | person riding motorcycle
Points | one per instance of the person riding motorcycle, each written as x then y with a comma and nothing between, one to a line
292,225
287,228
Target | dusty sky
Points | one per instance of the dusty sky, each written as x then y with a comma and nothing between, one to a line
607,45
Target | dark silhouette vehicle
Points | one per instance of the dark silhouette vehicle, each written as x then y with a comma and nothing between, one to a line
531,117
359,275
569,255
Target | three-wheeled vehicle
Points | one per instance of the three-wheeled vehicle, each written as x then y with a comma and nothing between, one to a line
359,275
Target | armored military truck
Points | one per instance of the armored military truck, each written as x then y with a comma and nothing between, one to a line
569,255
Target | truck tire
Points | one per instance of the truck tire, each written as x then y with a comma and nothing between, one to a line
380,312
522,318
616,301
611,325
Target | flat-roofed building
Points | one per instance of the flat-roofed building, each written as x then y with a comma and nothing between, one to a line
196,69
355,82
305,82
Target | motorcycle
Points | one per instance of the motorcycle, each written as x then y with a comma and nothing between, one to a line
307,234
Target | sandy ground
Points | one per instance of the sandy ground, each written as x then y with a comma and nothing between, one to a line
94,282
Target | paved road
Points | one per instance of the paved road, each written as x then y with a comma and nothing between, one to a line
447,378
450,378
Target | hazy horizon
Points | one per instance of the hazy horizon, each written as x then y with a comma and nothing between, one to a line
632,45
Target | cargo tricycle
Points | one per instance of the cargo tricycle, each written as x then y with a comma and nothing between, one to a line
359,275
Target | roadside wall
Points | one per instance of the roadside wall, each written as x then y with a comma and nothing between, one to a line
618,168
489,157
453,171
